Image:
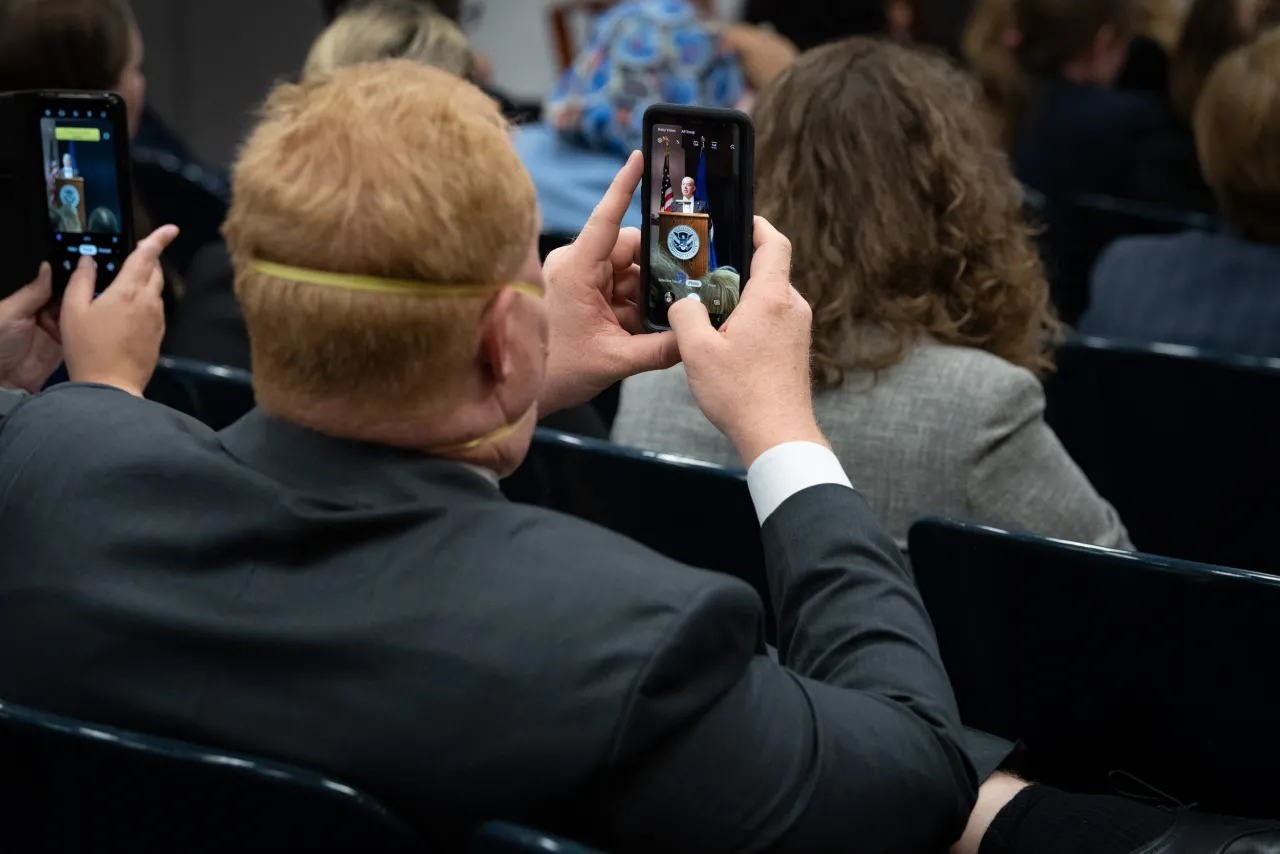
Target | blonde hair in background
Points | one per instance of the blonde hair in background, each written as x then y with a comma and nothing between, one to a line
389,29
1237,125
389,169
1162,20
910,227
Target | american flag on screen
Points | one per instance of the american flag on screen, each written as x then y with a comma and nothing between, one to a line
668,195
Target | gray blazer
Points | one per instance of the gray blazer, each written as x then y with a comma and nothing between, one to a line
949,431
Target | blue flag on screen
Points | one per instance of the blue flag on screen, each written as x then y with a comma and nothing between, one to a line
700,193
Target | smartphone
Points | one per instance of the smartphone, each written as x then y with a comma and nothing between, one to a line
697,198
65,185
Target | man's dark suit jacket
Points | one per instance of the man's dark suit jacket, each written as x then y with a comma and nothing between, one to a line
391,620
1216,291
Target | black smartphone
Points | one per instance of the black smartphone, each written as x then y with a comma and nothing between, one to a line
698,206
65,185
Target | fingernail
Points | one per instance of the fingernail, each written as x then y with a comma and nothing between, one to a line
83,262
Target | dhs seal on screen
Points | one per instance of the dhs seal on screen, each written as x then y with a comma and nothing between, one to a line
683,243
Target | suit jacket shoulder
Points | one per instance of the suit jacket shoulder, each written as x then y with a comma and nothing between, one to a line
1201,289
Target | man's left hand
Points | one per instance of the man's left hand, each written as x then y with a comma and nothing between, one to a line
30,344
592,290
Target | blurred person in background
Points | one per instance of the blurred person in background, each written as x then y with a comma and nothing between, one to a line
932,323
810,23
1069,131
466,15
1167,170
987,48
641,52
1217,291
73,44
389,29
1157,28
86,45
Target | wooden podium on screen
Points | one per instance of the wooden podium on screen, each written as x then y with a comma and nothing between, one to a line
697,265
78,185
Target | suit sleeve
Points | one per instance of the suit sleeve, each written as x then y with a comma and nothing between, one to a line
1023,478
852,743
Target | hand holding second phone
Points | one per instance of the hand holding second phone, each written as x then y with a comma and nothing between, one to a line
115,339
751,377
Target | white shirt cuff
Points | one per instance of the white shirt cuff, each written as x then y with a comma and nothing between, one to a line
786,469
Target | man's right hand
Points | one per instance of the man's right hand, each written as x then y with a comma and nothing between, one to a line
751,378
115,339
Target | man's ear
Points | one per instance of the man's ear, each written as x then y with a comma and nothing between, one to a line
498,351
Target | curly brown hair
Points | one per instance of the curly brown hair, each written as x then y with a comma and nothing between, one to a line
904,216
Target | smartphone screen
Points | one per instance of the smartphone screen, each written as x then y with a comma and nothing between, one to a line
82,143
698,200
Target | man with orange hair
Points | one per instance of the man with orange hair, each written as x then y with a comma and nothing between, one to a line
336,580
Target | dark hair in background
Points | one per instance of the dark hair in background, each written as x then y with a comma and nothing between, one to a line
1212,30
449,8
910,226
1050,35
1269,15
63,44
810,23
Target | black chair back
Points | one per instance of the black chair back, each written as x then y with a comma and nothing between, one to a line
1183,444
1102,661
214,394
1079,230
73,786
690,511
188,195
502,838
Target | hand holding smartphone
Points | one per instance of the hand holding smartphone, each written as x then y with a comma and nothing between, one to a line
698,203
65,186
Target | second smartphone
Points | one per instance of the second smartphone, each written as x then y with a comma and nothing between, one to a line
698,202
65,185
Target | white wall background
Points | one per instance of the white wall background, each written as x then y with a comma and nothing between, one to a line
209,64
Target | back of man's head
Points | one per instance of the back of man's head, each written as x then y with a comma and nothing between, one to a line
1238,137
392,170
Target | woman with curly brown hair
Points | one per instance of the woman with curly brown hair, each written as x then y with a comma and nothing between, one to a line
932,321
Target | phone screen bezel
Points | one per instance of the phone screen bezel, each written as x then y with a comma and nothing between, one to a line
95,102
660,114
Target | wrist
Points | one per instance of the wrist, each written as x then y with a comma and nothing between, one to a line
755,439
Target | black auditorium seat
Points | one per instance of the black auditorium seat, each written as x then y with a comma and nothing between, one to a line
214,394
1079,230
69,785
1111,667
1181,442
690,511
